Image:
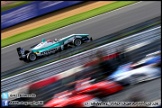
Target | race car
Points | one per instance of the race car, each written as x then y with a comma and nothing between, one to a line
67,99
47,47
99,89
132,73
126,75
83,92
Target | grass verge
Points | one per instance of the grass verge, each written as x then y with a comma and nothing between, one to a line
64,22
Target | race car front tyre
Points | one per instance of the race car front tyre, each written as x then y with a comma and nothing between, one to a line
77,42
31,57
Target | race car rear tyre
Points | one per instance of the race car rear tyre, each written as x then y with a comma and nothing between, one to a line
31,57
77,42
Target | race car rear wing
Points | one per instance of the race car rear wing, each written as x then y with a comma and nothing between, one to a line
20,51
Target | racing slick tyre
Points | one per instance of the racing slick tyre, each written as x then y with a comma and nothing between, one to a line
77,42
31,57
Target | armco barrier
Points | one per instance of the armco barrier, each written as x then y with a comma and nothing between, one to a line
73,61
31,10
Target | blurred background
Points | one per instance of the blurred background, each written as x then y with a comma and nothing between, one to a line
121,64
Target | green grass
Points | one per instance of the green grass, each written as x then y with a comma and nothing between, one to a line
64,22
13,5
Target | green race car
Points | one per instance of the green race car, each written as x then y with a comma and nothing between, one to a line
47,47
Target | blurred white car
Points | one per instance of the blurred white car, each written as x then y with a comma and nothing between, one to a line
146,69
127,76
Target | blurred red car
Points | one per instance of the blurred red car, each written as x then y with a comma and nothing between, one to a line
99,89
67,99
83,92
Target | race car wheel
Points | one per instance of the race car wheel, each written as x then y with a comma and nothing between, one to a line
31,57
77,42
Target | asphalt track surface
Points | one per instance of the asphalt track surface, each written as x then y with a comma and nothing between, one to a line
97,27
